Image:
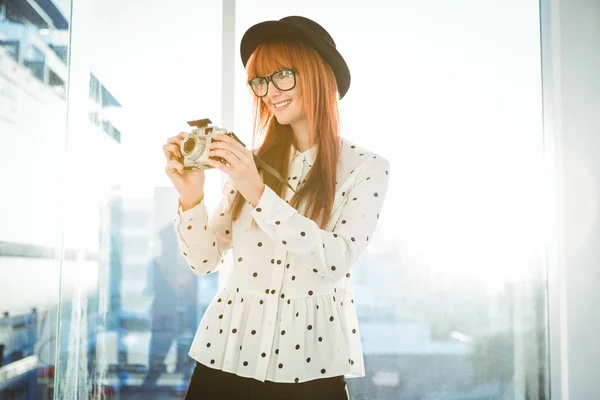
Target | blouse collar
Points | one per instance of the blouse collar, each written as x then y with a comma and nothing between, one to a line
309,155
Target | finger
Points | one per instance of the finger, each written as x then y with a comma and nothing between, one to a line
171,151
228,139
178,138
174,166
219,165
239,151
230,157
176,142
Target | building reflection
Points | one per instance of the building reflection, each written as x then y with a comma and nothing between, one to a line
133,312
33,76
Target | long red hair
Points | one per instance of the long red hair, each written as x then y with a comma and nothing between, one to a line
272,141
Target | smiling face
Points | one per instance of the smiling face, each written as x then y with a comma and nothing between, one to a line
286,106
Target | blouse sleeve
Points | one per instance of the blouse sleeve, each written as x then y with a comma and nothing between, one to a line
329,254
204,242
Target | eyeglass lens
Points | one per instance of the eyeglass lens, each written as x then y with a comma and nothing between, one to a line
283,80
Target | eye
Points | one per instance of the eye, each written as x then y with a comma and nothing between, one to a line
284,74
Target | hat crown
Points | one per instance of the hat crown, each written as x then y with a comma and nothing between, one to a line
304,30
307,23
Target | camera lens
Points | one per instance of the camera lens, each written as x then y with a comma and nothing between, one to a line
189,145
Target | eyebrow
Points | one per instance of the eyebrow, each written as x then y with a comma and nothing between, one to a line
279,70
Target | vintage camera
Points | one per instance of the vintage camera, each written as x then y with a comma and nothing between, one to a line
194,147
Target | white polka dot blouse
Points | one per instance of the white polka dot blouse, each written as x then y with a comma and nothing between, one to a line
286,312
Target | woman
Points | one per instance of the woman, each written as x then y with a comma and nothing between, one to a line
284,326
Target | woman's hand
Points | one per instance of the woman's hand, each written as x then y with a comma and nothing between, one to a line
239,166
189,183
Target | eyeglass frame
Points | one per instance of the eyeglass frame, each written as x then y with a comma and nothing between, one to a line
270,79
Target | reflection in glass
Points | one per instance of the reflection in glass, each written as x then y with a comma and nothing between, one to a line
33,76
173,310
127,324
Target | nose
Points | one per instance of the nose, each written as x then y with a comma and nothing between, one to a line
272,91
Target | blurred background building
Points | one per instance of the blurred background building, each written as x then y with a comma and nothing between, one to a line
150,320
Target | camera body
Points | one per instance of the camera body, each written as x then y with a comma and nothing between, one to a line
194,146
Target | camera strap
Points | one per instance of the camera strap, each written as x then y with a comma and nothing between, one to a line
272,171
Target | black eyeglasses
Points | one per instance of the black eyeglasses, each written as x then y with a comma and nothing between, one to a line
283,80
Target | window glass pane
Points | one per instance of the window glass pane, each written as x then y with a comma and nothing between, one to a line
33,109
451,292
139,72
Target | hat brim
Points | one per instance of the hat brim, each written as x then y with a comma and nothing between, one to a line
268,30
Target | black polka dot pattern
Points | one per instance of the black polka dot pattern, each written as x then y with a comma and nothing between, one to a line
265,308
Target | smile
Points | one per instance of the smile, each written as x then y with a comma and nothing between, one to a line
282,104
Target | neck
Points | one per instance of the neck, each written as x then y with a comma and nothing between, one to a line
301,138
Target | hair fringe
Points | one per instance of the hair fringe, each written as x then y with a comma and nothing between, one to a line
273,141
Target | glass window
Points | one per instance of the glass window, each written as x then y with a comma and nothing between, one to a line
32,140
451,291
131,329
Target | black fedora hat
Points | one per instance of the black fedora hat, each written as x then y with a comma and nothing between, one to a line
306,31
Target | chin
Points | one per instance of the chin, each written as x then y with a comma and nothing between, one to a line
283,120
287,118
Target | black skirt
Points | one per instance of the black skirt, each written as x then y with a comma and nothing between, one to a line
211,384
